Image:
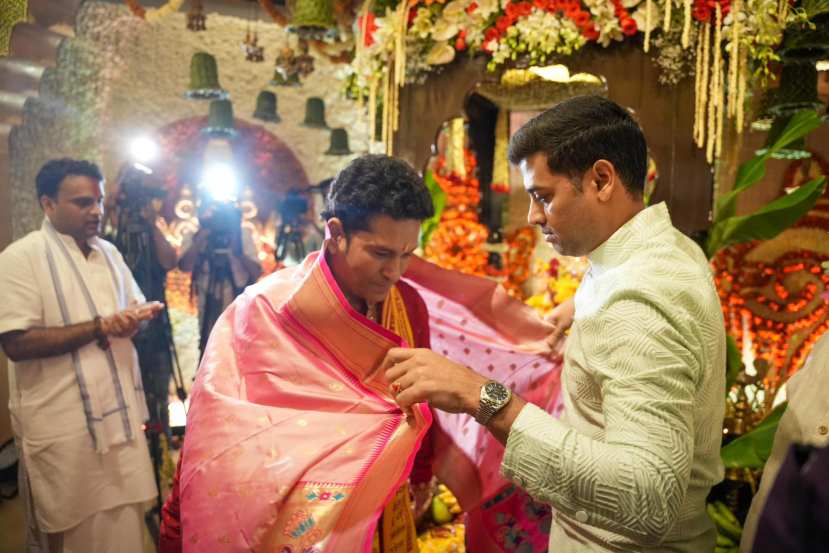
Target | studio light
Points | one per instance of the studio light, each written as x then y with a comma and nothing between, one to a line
219,182
143,150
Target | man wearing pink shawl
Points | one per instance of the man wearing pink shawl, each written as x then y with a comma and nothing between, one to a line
294,442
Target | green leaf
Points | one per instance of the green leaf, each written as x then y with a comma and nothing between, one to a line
439,202
768,221
751,450
752,171
802,123
815,7
749,173
734,362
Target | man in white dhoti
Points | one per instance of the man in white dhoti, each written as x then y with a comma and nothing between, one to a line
68,308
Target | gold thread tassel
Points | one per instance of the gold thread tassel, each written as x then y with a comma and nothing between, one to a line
714,87
686,24
647,25
697,86
734,59
741,85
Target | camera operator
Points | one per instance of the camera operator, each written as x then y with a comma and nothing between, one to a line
149,255
290,240
222,258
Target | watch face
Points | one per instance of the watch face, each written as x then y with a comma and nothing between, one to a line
496,391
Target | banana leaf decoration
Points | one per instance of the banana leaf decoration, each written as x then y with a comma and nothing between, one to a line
734,362
752,450
775,217
439,201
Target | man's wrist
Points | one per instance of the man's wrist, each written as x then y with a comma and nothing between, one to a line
100,333
473,397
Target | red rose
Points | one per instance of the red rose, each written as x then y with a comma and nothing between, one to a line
460,44
702,13
471,7
525,8
540,4
492,34
590,33
370,27
503,23
629,26
582,19
511,10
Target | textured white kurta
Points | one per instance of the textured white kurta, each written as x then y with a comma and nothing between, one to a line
630,463
69,480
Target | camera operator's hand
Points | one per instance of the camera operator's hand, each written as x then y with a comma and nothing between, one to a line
125,323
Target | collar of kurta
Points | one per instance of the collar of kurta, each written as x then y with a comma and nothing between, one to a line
68,240
629,237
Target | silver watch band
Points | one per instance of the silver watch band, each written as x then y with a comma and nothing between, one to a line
485,412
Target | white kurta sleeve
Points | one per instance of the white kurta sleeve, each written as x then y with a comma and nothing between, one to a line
21,301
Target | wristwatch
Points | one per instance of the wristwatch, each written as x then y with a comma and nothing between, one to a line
494,396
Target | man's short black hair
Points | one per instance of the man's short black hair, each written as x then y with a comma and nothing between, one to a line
54,171
580,131
374,185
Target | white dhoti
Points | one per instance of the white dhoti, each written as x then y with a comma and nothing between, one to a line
118,530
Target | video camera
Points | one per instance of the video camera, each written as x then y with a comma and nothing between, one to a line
293,208
137,188
224,223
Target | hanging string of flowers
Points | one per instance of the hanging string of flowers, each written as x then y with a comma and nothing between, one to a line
730,43
153,14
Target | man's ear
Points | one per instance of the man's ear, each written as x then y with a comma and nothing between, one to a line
47,203
605,178
337,241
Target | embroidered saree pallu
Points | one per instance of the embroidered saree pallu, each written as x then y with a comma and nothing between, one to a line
294,443
474,321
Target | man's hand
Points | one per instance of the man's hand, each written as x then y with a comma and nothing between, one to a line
562,319
418,375
124,324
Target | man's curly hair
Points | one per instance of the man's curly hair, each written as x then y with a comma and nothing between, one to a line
374,185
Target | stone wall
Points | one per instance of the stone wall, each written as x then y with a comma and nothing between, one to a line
120,76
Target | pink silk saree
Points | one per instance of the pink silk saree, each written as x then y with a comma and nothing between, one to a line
293,442
473,321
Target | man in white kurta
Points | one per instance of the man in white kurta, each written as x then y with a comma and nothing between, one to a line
76,416
629,465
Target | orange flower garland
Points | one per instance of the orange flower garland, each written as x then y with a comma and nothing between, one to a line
521,244
458,241
777,298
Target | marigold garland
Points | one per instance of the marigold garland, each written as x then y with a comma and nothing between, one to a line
458,242
416,37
